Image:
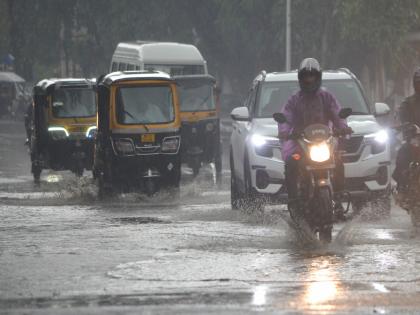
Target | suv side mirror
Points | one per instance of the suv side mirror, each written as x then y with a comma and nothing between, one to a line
240,114
381,109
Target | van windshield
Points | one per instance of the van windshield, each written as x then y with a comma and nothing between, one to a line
73,103
274,95
196,97
176,69
144,105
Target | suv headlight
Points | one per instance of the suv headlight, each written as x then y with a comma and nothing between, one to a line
264,145
381,136
124,146
377,140
58,133
170,145
320,152
91,132
259,140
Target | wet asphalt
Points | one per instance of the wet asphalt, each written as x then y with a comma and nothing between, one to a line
62,251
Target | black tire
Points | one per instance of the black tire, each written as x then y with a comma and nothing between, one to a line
105,189
415,216
151,186
175,183
325,235
252,201
196,164
218,165
79,172
326,211
36,172
235,195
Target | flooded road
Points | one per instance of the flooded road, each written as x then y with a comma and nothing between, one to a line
64,252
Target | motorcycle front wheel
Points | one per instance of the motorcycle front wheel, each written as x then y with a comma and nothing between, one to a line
325,205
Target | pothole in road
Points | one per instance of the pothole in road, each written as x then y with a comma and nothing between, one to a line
141,220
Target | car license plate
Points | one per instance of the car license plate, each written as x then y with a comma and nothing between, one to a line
148,138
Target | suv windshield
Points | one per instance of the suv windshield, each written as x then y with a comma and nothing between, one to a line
274,95
144,105
73,103
196,97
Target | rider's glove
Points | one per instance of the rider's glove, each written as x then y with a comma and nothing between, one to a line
344,131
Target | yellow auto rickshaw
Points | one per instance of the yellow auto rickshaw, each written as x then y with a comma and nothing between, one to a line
63,126
200,122
138,137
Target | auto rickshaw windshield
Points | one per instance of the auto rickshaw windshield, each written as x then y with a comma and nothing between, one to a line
73,103
196,98
144,105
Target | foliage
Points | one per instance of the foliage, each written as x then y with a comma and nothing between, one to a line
239,38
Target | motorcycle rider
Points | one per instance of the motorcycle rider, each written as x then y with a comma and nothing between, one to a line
409,113
310,105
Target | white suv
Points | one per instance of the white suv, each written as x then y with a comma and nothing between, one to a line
257,169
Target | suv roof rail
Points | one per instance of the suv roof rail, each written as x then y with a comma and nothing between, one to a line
346,70
261,76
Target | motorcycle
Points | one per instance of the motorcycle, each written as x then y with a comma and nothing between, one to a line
315,201
410,201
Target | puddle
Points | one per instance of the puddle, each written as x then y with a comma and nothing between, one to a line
141,220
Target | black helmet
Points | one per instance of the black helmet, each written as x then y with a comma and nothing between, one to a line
310,66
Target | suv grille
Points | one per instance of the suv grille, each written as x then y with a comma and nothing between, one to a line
352,145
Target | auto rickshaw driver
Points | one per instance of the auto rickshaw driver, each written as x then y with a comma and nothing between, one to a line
139,108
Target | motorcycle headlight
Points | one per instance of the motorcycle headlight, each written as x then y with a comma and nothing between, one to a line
58,133
170,145
91,132
124,146
320,152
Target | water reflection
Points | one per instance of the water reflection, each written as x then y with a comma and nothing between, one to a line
259,295
383,234
322,287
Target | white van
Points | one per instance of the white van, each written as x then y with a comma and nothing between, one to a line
172,58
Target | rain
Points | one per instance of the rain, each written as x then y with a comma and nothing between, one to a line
209,157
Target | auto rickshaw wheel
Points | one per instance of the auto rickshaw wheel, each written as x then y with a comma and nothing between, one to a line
36,171
218,166
79,172
196,164
104,189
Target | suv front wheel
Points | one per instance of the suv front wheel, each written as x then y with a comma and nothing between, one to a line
253,201
235,194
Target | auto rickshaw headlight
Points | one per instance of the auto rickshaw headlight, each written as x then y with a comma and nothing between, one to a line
91,132
170,145
124,146
210,127
58,133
